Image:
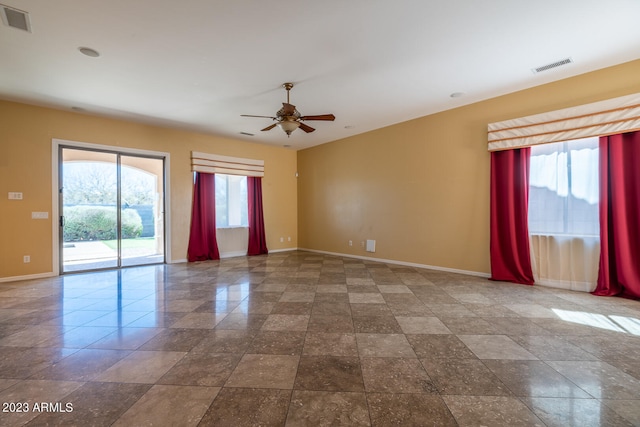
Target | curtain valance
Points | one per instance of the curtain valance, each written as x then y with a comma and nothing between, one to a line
214,163
612,116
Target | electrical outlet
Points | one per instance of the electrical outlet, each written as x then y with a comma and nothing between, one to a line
350,242
289,239
26,259
371,246
281,239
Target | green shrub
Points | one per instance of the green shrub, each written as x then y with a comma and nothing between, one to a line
99,223
131,224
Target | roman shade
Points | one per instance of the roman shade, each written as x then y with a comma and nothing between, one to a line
214,163
612,116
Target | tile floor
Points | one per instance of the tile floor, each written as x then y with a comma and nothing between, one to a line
301,338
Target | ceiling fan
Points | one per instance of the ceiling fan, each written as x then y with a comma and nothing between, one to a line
289,119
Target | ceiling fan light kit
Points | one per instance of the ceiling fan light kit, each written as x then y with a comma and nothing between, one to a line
289,119
289,126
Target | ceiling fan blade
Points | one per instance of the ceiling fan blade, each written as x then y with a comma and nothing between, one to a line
288,109
306,128
327,117
269,127
265,117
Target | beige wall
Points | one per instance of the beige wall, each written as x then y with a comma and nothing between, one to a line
26,134
421,188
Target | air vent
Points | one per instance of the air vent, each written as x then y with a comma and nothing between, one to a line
552,65
15,18
246,133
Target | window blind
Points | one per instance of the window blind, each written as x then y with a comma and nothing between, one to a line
214,163
612,116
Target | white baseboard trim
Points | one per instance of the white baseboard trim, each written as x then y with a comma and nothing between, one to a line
275,251
408,264
27,277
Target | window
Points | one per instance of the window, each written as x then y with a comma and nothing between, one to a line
231,201
563,188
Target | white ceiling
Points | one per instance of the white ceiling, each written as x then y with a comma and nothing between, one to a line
200,64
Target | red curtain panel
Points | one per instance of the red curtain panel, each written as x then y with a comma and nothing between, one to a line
202,238
619,272
509,239
257,240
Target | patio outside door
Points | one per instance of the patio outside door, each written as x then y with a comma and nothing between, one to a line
111,210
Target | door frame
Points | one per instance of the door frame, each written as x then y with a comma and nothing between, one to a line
55,194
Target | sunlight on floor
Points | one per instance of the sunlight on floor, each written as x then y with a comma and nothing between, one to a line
629,325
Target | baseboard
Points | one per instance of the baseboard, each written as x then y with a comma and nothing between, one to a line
27,277
407,264
275,251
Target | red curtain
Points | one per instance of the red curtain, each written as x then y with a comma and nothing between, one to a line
202,239
509,244
619,272
257,240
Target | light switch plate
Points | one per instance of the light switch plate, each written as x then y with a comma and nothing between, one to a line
39,215
15,195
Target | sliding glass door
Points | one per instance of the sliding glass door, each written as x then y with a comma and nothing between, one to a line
111,209
141,196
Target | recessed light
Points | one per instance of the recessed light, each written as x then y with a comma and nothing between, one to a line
349,126
89,52
286,146
456,94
